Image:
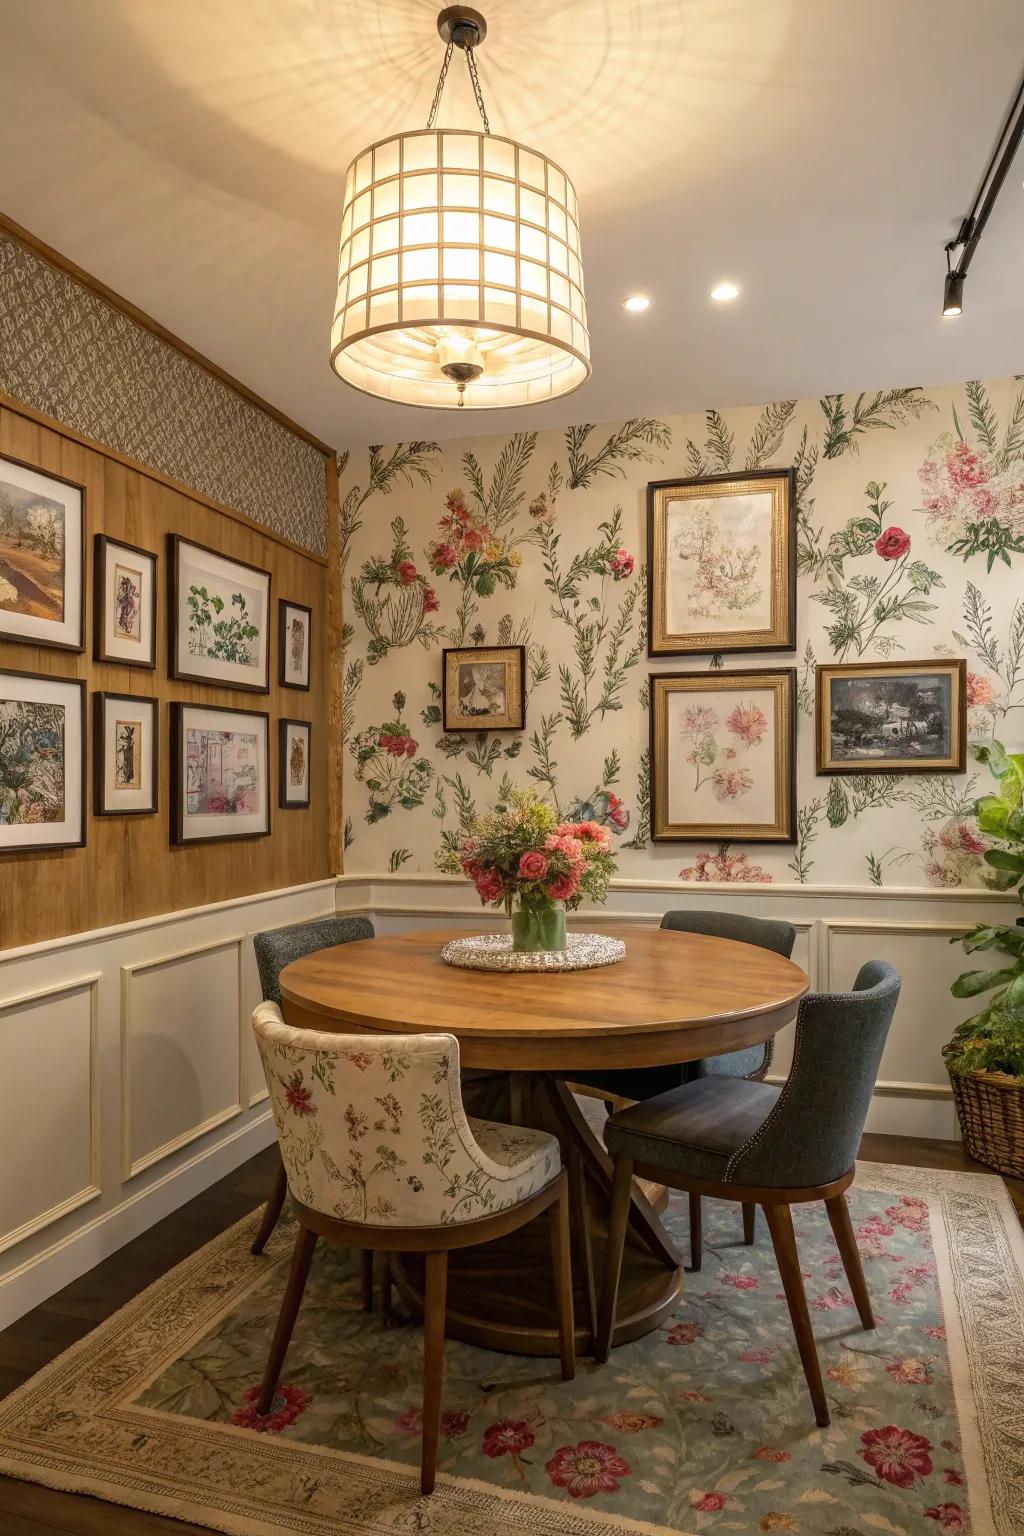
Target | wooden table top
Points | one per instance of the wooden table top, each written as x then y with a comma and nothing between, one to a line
675,997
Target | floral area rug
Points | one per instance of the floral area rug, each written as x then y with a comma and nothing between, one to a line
702,1427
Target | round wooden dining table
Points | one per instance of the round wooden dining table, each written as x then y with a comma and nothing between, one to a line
523,1040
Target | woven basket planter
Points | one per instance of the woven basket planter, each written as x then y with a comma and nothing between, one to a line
990,1108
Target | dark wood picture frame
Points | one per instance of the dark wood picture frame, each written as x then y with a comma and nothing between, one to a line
283,604
956,762
781,678
54,645
83,757
101,542
175,541
781,636
178,840
100,700
285,804
513,656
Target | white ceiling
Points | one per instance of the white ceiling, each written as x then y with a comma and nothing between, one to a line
818,152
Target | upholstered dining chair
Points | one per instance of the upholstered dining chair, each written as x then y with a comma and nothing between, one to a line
275,949
752,1063
738,1139
380,1155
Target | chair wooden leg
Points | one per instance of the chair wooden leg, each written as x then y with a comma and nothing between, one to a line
302,1257
561,1263
366,1278
584,1244
780,1225
272,1209
842,1231
622,1191
383,1274
696,1232
749,1219
433,1364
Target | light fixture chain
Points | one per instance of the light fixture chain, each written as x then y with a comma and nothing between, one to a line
439,92
477,92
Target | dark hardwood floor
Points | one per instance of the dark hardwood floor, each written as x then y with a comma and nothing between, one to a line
29,1510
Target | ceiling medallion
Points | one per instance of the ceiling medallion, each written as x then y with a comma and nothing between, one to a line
459,275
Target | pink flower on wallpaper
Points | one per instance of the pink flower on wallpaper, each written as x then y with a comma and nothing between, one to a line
430,602
897,1455
960,839
980,691
748,723
965,468
407,572
621,564
893,544
734,868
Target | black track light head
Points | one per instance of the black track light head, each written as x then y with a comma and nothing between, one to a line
953,295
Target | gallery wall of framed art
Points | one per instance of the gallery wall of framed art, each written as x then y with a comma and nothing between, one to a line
87,815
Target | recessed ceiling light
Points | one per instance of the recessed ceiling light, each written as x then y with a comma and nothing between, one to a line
636,303
724,293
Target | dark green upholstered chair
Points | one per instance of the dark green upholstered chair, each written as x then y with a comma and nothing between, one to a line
275,949
738,1139
645,1082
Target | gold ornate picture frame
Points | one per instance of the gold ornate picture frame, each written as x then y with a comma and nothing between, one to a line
891,717
484,688
723,748
721,563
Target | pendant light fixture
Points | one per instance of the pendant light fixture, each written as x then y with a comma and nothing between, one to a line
459,274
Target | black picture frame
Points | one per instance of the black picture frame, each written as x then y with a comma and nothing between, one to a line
176,542
726,642
100,700
511,656
101,544
283,604
76,647
825,766
285,804
83,759
781,678
178,840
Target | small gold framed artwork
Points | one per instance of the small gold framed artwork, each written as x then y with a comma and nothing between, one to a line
891,717
722,756
721,563
484,689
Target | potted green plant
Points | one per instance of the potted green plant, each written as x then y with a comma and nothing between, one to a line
985,1057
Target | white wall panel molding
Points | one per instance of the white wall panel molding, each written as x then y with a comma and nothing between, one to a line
21,1180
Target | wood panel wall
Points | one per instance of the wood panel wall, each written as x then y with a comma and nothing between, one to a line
128,869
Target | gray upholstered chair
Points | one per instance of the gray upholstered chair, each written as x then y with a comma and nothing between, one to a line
275,949
737,1139
645,1082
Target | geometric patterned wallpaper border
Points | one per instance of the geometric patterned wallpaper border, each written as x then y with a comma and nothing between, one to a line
67,352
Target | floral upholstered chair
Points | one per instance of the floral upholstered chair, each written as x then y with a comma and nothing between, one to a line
380,1154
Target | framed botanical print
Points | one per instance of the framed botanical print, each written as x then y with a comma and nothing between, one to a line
891,717
295,627
126,754
220,773
42,557
293,763
722,756
124,606
484,689
42,762
721,563
219,618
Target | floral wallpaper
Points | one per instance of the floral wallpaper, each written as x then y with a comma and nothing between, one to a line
910,543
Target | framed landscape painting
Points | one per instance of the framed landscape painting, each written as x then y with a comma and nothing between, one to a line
295,627
892,716
722,756
124,610
484,689
220,618
721,563
126,754
42,762
42,557
220,773
293,763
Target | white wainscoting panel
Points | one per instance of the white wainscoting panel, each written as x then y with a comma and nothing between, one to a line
49,1093
838,928
130,1083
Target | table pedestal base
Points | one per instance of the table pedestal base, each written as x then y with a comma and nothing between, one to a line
501,1294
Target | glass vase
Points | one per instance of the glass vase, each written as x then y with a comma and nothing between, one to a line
541,925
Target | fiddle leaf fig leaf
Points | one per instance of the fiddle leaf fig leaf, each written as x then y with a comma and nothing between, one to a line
973,982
